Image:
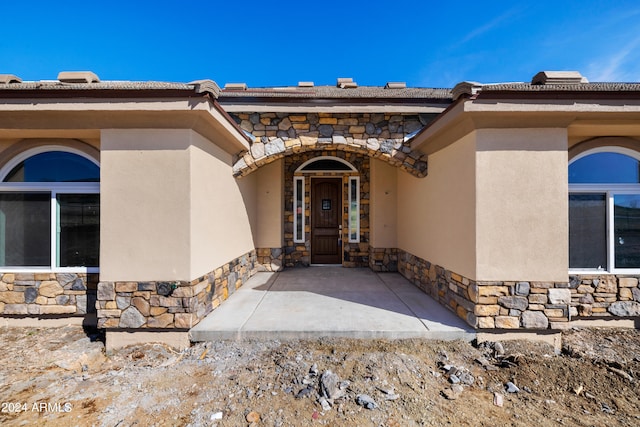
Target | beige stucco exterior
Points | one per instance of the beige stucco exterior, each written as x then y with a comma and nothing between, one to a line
521,205
171,209
384,205
263,196
219,225
436,214
491,207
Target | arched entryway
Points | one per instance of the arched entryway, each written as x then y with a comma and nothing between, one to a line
325,192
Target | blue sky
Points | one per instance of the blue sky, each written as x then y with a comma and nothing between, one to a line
425,43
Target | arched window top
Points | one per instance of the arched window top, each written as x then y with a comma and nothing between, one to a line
326,164
605,166
53,166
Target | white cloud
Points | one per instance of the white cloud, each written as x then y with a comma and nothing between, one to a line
620,65
495,22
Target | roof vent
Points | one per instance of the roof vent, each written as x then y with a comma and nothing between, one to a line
235,86
395,85
346,83
558,78
305,84
78,77
9,78
465,89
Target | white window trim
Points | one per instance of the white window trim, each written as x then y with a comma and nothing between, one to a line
8,167
54,188
301,238
609,190
607,149
357,224
315,159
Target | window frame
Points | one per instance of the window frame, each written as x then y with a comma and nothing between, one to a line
54,188
609,191
355,179
296,220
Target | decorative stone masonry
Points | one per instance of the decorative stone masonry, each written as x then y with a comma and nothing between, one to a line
383,259
270,259
605,295
298,254
491,305
169,305
42,294
376,135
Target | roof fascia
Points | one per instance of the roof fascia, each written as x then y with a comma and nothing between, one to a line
471,113
201,113
332,106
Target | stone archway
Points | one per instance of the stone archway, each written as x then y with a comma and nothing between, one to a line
379,136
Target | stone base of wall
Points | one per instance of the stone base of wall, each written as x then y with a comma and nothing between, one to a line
605,295
383,259
449,289
37,294
355,254
269,259
170,305
491,305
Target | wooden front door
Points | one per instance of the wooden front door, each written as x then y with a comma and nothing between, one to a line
326,218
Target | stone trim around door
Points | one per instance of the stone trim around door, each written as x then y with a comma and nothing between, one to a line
47,294
298,254
170,304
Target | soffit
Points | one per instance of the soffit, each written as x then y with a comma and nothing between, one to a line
583,118
74,117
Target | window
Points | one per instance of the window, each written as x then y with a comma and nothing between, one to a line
50,212
604,211
298,209
354,209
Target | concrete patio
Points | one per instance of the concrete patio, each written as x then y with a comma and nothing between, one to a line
320,302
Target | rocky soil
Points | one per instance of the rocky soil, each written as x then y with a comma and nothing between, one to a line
62,377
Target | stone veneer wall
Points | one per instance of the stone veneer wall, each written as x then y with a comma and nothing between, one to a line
605,295
376,135
354,254
37,294
170,305
270,259
383,259
489,305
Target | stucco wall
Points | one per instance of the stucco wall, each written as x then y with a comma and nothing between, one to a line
522,224
220,229
436,214
144,222
269,205
384,202
171,209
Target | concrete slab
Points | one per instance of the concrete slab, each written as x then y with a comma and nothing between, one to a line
320,302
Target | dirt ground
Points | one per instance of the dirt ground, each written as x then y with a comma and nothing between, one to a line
62,377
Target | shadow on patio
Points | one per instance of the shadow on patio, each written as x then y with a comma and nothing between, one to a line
319,302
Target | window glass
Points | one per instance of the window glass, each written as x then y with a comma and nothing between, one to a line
25,229
326,165
587,231
55,166
627,230
605,168
298,207
354,210
79,230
